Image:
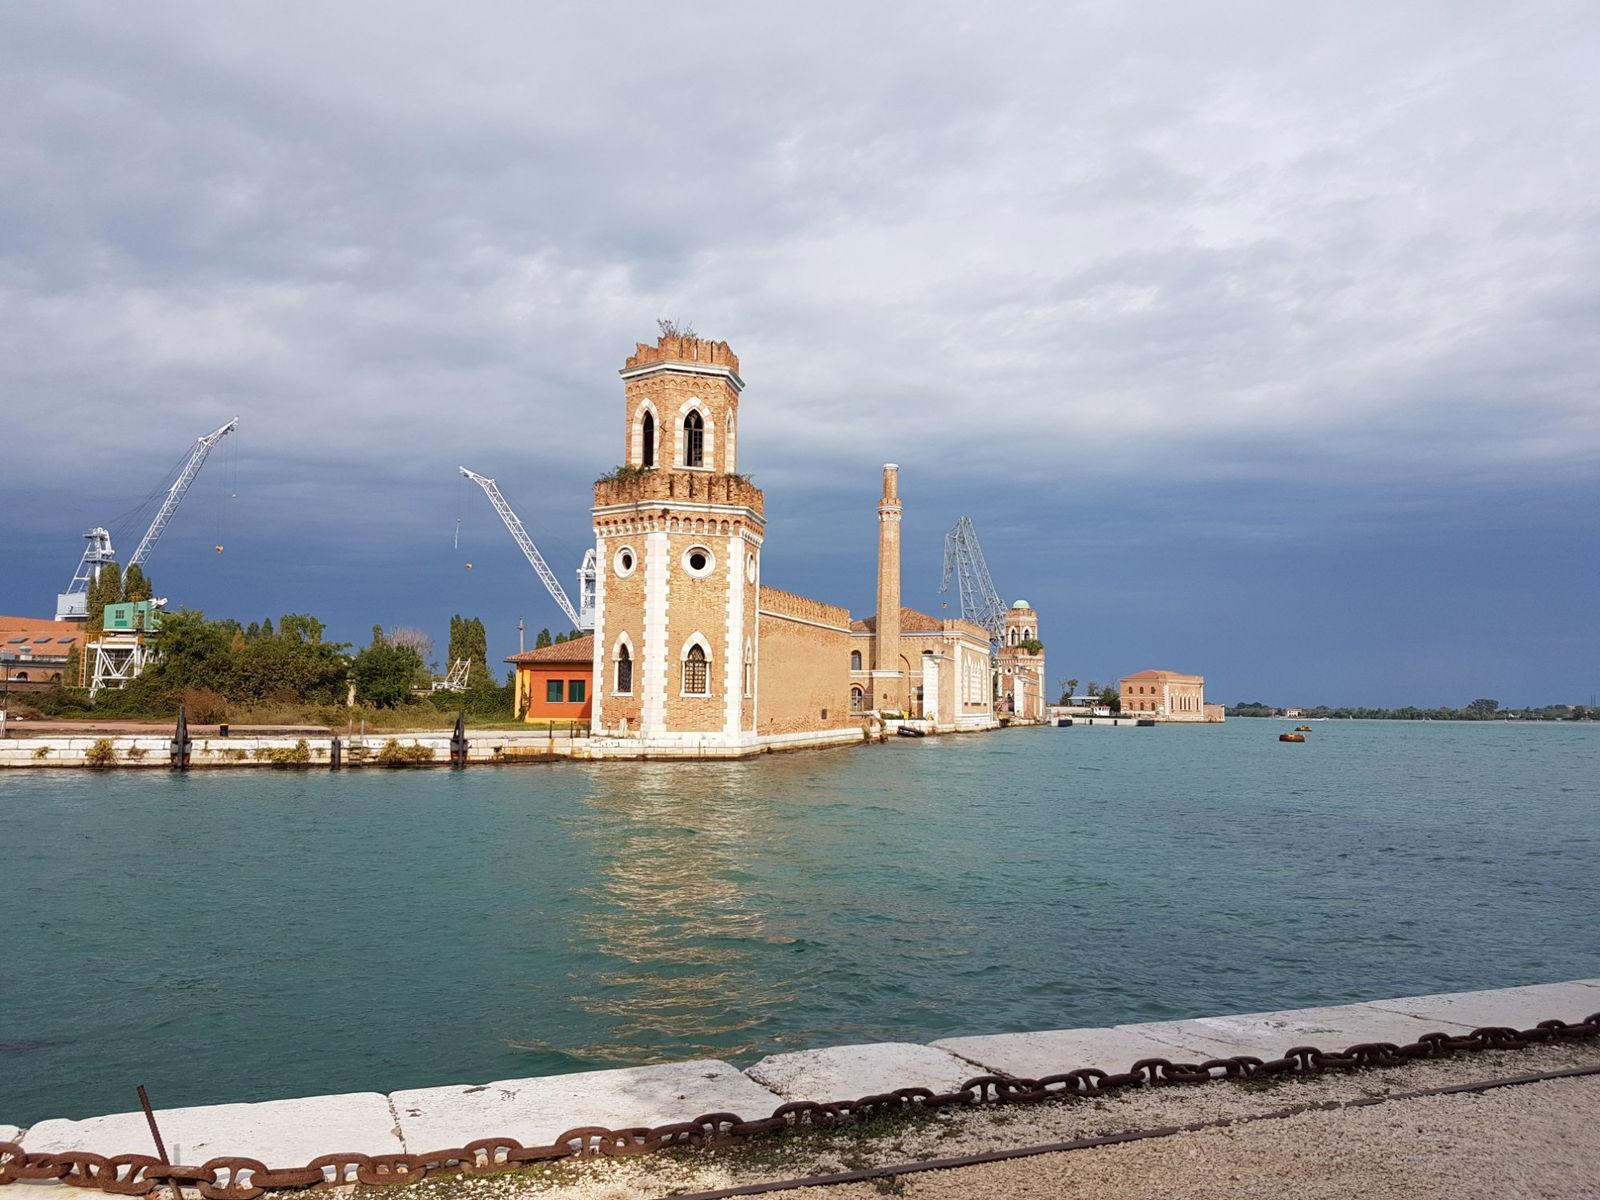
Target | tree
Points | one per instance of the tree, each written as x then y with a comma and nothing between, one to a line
384,672
1072,687
194,653
543,640
104,589
301,628
1110,698
1483,708
135,585
408,635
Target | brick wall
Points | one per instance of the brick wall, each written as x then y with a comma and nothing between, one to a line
805,665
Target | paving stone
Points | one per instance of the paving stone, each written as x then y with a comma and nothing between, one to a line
1056,1050
1269,1034
281,1133
536,1111
1520,1007
849,1072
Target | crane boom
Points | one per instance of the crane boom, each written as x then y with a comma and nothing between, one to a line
180,485
583,620
980,602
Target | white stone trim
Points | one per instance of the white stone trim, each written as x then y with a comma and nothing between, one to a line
636,434
696,639
733,683
778,616
653,713
685,368
708,442
597,679
622,640
651,507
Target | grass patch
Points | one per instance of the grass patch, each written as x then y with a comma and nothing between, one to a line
101,754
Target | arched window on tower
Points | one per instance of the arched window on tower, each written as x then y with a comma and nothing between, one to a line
696,675
855,660
856,699
647,454
624,671
694,439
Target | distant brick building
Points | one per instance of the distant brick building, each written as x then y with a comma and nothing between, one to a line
692,652
34,652
1166,695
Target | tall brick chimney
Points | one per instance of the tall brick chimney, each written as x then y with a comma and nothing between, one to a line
887,656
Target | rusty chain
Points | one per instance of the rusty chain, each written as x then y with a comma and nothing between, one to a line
233,1178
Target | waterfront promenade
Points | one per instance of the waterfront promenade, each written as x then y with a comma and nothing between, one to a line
541,1111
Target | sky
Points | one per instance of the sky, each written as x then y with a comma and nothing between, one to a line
1257,340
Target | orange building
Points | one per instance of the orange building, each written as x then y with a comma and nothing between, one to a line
556,682
1166,695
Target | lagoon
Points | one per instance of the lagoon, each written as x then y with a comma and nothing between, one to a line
226,936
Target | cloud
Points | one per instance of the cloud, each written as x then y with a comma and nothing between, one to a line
1349,250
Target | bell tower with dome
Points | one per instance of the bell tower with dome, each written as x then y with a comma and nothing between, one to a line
1020,678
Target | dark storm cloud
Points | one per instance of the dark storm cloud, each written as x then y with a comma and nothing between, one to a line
1239,248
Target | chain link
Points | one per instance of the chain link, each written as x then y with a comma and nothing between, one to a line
233,1178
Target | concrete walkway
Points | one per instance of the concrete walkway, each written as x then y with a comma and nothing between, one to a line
289,1132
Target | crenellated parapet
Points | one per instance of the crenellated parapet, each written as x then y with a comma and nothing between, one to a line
779,603
664,485
675,349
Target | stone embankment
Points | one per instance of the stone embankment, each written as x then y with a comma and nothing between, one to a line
536,1111
243,749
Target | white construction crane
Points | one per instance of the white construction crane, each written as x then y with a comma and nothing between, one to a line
73,604
980,602
582,617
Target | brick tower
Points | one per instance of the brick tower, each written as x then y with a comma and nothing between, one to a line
1021,667
888,682
678,545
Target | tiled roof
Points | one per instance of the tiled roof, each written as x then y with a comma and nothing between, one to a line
1161,675
44,635
578,650
911,621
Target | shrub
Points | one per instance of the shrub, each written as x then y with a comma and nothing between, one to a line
394,754
204,706
285,756
42,752
101,754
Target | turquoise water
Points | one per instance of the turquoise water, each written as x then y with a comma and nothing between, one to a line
240,936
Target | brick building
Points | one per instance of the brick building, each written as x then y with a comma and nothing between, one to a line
34,652
1166,695
692,652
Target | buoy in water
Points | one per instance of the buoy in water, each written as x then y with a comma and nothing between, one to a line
1291,737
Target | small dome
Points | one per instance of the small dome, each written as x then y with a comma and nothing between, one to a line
1022,604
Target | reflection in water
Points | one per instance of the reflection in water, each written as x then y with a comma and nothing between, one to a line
670,910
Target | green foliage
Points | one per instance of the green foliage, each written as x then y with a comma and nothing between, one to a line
468,640
135,585
296,665
286,756
100,754
1111,698
194,653
385,672
394,754
60,702
624,474
104,589
543,640
1032,646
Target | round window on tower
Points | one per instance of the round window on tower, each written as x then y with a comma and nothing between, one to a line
625,561
750,568
698,561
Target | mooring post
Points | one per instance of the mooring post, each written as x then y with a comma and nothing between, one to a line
181,744
161,1147
458,741
335,749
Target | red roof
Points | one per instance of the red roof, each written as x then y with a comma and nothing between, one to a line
911,621
45,636
578,650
